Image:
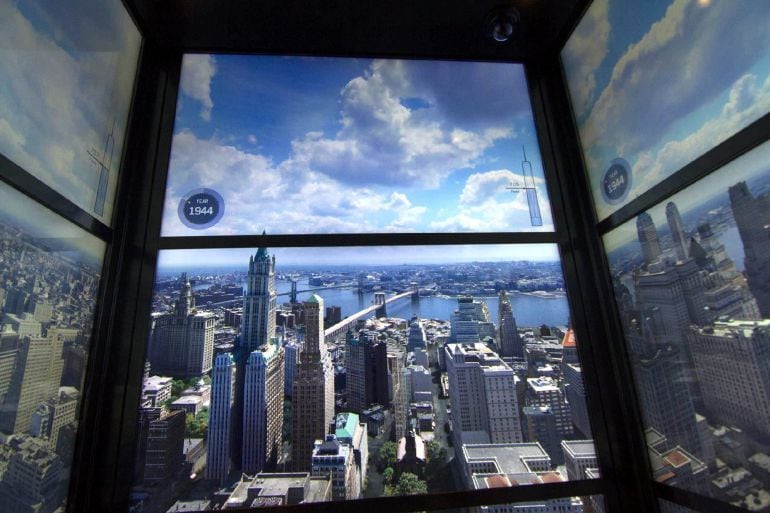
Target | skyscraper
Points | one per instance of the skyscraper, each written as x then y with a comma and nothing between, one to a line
417,336
182,343
676,227
355,375
36,377
291,359
263,407
507,331
482,389
259,302
220,417
752,216
732,361
544,391
255,373
367,371
313,394
648,237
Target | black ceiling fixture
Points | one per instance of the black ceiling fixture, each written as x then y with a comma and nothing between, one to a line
448,29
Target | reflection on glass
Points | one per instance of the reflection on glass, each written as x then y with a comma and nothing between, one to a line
66,79
656,84
333,145
692,281
49,275
362,371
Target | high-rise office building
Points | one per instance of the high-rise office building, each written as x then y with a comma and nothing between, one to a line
482,389
676,227
182,343
470,322
679,294
544,391
52,415
417,336
262,408
36,378
313,394
164,452
258,332
508,338
648,237
541,428
291,359
752,216
732,361
259,302
220,417
355,376
367,371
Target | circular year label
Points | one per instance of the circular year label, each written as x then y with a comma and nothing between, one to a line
616,182
201,208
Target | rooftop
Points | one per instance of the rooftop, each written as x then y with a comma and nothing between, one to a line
509,458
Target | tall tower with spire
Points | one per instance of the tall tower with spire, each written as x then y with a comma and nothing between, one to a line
259,302
648,237
313,393
676,227
259,396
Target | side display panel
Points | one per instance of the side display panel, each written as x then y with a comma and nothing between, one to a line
49,276
656,84
361,371
692,283
296,145
66,79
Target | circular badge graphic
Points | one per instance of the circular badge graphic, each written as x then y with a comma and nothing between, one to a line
201,208
616,182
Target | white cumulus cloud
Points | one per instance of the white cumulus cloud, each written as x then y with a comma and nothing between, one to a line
197,72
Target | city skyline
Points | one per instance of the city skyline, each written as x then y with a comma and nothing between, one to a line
389,145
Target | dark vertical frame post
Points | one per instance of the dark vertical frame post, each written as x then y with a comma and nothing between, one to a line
611,397
103,466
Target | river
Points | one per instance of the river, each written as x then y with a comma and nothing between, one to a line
528,310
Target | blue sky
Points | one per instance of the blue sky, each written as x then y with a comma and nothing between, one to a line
661,82
66,75
365,256
334,145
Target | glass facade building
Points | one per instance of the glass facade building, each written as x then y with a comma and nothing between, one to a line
414,258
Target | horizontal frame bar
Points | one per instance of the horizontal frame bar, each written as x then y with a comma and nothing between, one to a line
449,500
24,182
735,146
694,501
355,239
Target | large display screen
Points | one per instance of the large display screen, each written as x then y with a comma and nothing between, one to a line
656,84
361,371
343,145
692,283
66,81
49,279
